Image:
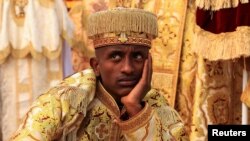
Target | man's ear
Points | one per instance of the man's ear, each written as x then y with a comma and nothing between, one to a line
94,63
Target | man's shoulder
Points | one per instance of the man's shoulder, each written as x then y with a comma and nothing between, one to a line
86,76
73,90
75,82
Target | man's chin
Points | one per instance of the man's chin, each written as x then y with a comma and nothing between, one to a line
125,91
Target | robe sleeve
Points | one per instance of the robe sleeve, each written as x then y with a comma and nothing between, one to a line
59,111
157,121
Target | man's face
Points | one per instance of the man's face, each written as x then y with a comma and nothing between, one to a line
120,67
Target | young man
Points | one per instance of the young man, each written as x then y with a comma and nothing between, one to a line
113,101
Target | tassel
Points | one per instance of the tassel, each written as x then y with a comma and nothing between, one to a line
122,20
218,4
229,45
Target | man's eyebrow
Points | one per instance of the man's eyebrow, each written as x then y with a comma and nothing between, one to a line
115,52
116,47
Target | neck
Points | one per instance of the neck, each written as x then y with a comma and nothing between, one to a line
115,97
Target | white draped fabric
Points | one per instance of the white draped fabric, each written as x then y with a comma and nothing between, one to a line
32,34
38,30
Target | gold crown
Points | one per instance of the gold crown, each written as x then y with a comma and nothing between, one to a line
122,26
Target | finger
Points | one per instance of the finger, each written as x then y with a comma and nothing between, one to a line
145,71
150,69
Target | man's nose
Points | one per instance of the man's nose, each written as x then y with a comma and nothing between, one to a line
127,66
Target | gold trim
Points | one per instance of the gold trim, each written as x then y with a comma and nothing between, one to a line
100,42
138,120
133,123
228,45
107,100
218,4
178,54
116,132
21,53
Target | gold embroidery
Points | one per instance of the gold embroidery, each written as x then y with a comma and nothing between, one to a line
218,108
30,49
116,40
101,131
123,38
107,100
140,120
135,122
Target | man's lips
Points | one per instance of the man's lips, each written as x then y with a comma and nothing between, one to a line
127,82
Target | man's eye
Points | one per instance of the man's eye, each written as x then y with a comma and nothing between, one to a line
115,57
138,57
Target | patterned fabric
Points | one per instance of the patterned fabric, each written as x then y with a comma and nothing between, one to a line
76,111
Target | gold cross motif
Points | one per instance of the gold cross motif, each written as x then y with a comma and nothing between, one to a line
123,38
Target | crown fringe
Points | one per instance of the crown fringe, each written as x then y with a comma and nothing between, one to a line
129,20
218,4
223,46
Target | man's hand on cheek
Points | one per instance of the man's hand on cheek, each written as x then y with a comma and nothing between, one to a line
132,101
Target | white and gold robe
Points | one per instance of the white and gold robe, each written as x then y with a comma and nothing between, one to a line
81,109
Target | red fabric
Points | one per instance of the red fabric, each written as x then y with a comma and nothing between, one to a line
223,20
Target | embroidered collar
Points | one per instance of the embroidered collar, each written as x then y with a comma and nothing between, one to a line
107,99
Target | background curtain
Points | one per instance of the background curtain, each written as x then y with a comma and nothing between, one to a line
32,34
